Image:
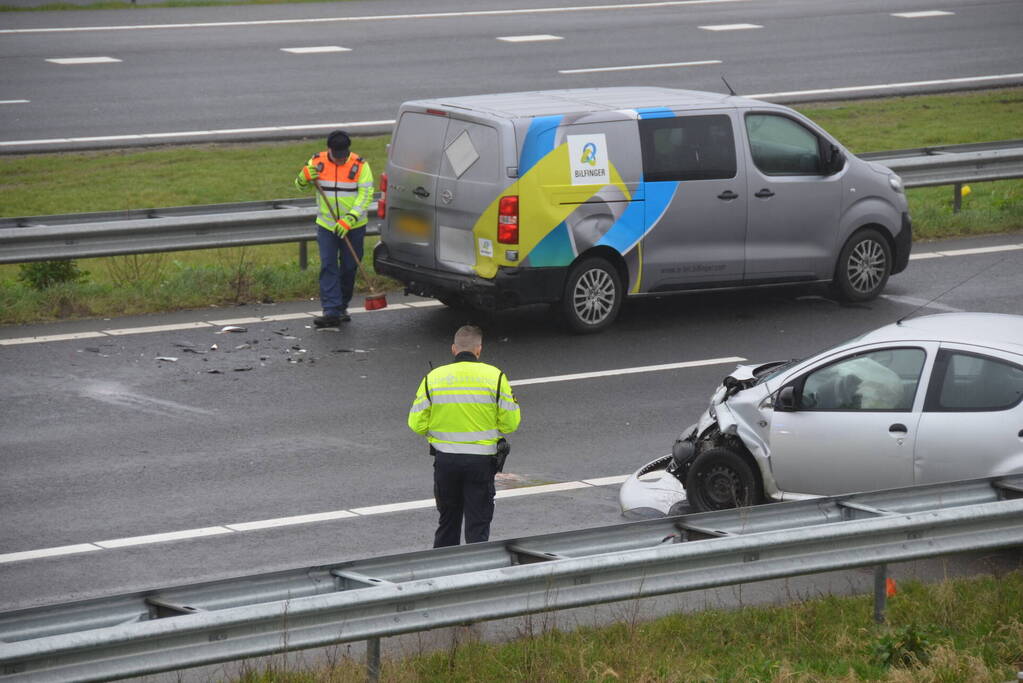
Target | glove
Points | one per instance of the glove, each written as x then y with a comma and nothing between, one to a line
310,172
345,224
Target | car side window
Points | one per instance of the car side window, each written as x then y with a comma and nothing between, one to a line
782,146
965,382
687,148
886,379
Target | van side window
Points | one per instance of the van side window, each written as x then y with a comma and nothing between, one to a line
781,146
687,148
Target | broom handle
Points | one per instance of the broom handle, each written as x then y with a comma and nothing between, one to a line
358,261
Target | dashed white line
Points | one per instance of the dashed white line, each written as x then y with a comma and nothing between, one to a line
14,101
537,38
922,15
83,60
668,65
315,50
731,27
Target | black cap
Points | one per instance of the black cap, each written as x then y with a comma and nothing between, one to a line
338,142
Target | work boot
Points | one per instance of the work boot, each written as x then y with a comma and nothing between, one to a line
343,316
326,321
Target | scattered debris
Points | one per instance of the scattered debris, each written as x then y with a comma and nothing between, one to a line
190,350
92,349
214,371
213,347
243,369
242,346
169,359
231,328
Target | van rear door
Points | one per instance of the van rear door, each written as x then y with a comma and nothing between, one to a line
413,164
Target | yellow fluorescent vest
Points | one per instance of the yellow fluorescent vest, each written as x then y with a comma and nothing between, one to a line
464,407
348,188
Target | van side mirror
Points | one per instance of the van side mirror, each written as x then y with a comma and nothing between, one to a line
786,401
834,160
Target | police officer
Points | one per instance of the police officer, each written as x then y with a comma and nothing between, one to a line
462,409
347,184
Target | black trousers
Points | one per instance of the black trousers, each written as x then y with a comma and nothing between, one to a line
463,485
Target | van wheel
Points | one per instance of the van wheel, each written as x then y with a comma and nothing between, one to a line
721,479
593,296
863,266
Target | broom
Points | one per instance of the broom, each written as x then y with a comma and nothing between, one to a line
374,300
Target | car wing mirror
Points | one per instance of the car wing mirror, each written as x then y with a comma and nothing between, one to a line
786,401
834,160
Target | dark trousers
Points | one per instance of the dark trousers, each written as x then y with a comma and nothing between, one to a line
337,268
463,485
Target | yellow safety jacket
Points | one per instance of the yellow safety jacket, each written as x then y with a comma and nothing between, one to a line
348,188
464,407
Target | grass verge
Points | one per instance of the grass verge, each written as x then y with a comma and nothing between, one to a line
959,630
220,173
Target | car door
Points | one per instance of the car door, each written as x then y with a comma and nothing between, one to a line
853,423
794,206
972,421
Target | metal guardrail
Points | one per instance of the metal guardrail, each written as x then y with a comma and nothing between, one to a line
42,238
174,628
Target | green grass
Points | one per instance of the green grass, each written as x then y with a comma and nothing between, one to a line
221,173
962,630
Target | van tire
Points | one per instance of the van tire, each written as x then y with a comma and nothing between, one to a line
593,296
721,479
863,266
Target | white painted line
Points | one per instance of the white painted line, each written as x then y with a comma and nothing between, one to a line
932,254
922,15
628,371
396,507
84,60
48,552
424,304
606,481
14,101
731,27
537,38
285,316
315,50
921,303
669,65
885,86
157,328
161,538
288,521
966,252
546,488
236,321
381,17
52,337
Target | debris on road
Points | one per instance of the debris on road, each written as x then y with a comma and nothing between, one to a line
231,328
169,359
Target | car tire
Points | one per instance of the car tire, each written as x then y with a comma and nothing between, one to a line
592,297
720,479
863,266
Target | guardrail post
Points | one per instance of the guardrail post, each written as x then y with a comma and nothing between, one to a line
303,255
957,197
880,592
373,660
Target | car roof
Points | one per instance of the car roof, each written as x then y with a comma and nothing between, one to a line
586,100
982,329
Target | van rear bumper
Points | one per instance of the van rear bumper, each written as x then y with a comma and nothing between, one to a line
509,288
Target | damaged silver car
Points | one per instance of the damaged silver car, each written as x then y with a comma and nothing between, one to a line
935,398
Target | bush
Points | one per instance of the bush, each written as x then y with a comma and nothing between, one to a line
41,275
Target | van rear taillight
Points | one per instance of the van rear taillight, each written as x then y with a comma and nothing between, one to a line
382,202
508,220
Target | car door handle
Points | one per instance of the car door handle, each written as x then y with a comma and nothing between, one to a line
421,192
764,193
898,428
728,195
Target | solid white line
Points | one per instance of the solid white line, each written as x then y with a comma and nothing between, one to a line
48,552
161,538
545,488
157,328
315,50
885,86
669,65
380,17
51,337
288,521
14,101
395,507
539,37
606,481
84,60
627,371
921,303
965,252
731,27
922,15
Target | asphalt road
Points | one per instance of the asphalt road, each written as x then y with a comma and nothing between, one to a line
100,441
225,72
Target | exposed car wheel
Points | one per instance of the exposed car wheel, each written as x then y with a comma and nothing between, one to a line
863,266
720,479
593,296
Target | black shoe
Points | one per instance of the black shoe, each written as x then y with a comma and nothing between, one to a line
326,321
344,317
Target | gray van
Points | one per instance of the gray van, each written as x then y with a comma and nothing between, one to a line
583,197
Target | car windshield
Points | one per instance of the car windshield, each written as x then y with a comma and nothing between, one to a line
774,370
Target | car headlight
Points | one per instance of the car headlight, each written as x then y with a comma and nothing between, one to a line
896,183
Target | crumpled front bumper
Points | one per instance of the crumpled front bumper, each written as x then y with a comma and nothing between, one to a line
651,491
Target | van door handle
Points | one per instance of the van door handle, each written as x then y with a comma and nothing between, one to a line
898,428
421,192
764,193
728,195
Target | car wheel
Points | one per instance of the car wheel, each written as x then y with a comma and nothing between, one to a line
593,296
863,266
720,479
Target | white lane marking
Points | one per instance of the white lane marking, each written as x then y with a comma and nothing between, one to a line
51,337
668,65
545,488
606,481
157,328
48,552
83,60
884,86
536,38
424,304
731,27
288,521
627,371
380,17
922,15
395,507
161,538
14,101
920,303
315,50
965,252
